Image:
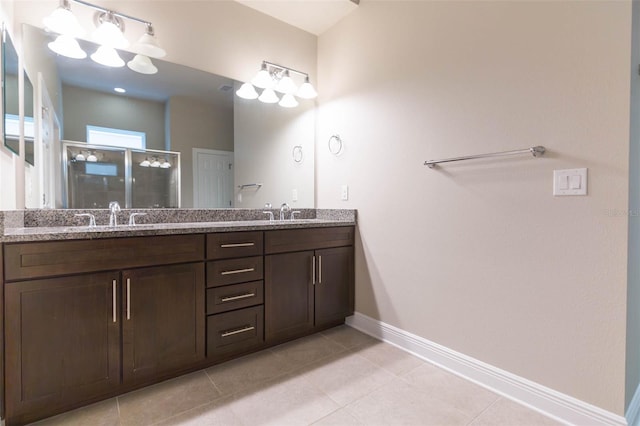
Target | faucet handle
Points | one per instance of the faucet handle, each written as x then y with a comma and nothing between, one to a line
92,218
114,206
270,215
132,218
294,213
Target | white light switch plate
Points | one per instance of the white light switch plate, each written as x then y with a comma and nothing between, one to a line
570,182
294,195
344,194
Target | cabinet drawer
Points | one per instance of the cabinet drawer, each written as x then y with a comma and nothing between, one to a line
31,260
288,240
232,271
235,331
235,296
234,244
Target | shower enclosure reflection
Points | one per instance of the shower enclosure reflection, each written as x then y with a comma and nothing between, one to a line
96,175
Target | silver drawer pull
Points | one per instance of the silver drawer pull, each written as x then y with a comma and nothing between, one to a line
241,296
237,245
242,330
115,300
237,271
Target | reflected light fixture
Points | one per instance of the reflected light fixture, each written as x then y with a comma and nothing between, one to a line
277,77
142,64
63,21
92,157
288,101
247,91
155,163
68,46
268,96
148,45
107,56
79,157
165,165
119,90
145,163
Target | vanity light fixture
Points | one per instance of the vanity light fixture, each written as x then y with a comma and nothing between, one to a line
145,163
91,158
79,157
165,164
119,90
63,21
155,163
109,34
277,77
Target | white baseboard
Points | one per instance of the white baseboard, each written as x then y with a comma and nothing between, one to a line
559,406
633,411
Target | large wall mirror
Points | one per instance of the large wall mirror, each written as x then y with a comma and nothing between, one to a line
227,144
10,94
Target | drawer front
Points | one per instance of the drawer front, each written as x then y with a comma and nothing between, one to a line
235,296
288,240
234,244
235,331
32,260
232,271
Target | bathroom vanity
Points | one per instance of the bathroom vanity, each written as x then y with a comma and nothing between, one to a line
90,315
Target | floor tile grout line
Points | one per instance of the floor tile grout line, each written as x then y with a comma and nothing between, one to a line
212,382
485,410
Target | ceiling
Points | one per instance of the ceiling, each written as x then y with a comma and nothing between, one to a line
313,16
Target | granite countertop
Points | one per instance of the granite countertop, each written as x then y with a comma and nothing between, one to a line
57,229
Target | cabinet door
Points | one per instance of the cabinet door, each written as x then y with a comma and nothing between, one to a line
62,342
288,293
334,285
163,320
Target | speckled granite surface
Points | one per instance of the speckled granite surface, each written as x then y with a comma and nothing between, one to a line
47,224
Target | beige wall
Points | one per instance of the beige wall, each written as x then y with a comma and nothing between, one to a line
479,256
194,124
265,135
84,107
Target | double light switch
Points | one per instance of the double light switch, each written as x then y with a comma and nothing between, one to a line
570,182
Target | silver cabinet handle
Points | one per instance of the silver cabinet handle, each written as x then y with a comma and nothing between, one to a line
237,245
313,270
241,296
242,330
319,269
128,298
237,271
114,287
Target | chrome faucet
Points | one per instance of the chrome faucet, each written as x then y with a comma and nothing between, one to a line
132,218
284,208
114,208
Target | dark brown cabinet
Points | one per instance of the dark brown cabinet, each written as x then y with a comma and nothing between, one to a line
62,342
310,289
163,320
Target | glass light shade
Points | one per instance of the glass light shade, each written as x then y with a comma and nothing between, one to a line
286,84
148,45
142,64
63,21
92,158
288,101
263,79
247,91
108,34
108,57
165,165
145,163
306,90
79,157
268,96
68,46
155,163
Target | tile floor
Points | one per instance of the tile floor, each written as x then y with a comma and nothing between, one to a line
338,377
